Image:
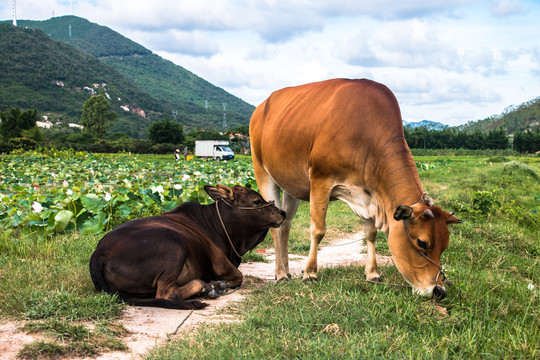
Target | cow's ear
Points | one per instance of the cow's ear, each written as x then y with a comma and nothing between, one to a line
219,192
451,219
238,188
403,212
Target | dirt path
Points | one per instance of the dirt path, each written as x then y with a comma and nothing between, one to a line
151,326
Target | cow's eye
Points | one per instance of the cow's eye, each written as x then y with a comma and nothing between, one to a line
422,244
257,202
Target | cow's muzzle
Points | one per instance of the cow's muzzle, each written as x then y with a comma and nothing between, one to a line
439,292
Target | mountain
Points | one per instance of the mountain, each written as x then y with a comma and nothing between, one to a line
40,72
198,102
431,125
514,119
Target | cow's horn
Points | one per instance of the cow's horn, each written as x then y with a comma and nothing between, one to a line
429,214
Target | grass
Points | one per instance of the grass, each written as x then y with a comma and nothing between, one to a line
341,317
492,310
72,339
48,277
46,282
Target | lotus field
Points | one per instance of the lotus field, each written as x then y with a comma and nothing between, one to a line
68,191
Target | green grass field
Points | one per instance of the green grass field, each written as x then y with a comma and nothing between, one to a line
491,312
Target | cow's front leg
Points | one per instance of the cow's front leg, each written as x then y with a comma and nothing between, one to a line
370,232
175,292
229,273
223,269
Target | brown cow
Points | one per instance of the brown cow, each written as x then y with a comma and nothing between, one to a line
191,250
343,140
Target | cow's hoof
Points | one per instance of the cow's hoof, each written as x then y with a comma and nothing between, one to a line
309,278
212,294
284,278
222,285
376,279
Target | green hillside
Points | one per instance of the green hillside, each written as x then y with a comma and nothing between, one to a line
174,86
87,37
514,119
40,72
183,91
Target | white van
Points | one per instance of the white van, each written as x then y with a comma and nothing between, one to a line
216,149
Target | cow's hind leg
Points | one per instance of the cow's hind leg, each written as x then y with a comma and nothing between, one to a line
370,232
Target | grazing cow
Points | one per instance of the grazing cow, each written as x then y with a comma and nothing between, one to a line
343,140
191,250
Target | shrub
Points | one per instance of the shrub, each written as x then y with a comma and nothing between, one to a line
22,143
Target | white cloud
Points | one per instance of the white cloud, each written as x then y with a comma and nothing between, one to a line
359,50
194,43
506,8
410,43
535,57
430,87
274,21
449,61
388,9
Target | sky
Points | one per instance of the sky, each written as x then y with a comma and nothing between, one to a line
450,61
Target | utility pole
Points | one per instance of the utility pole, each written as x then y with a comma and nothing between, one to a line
14,12
224,125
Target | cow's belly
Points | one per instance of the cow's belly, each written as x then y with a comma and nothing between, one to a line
296,184
296,188
361,202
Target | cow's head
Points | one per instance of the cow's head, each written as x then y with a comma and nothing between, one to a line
417,240
246,209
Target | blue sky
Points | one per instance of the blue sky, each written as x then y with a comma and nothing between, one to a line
447,61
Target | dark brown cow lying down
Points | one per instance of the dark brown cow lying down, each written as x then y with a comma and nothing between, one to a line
163,260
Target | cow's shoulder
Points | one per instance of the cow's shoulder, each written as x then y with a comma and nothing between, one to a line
187,207
191,219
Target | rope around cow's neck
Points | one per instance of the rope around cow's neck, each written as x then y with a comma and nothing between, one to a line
239,208
225,229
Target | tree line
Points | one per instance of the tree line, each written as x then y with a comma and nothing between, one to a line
18,130
451,138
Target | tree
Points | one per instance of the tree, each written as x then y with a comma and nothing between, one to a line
477,141
527,141
497,139
96,116
14,122
166,132
244,130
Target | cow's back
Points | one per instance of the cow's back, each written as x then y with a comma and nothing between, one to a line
328,127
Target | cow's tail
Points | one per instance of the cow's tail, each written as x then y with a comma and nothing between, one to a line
163,303
96,272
